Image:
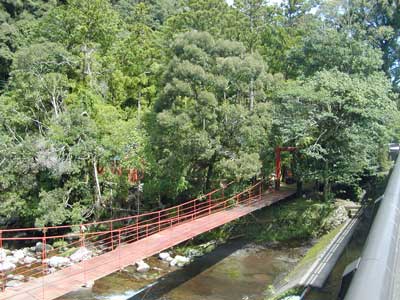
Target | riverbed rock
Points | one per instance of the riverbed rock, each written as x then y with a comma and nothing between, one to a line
292,298
165,256
88,284
191,252
39,247
7,266
29,260
82,253
51,270
179,261
19,254
11,259
142,267
3,254
15,277
13,283
59,262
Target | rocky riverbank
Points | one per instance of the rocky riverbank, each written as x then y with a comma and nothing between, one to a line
22,265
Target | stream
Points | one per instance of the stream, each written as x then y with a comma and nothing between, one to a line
236,270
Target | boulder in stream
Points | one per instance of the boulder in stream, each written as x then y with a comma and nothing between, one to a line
3,254
39,247
59,262
179,261
7,266
13,283
30,260
19,255
82,253
165,256
142,267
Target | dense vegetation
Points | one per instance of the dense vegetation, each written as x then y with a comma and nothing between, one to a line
190,93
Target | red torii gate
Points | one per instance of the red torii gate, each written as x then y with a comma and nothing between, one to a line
278,151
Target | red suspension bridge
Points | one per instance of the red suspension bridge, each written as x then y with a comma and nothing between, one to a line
121,242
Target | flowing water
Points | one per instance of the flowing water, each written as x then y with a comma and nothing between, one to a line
233,271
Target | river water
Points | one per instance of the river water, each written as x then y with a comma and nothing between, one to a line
234,271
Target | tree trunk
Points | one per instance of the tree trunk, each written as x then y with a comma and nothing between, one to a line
97,186
210,171
55,106
327,190
327,183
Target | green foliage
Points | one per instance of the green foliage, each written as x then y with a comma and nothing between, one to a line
192,94
339,122
299,219
211,116
328,49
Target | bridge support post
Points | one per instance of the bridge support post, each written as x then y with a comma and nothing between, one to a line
82,235
159,221
137,228
44,264
119,249
209,204
112,236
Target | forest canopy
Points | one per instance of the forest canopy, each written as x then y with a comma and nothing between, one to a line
108,107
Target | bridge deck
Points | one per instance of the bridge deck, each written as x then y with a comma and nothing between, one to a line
69,279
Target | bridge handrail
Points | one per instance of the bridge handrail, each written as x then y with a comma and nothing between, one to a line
45,228
377,276
110,239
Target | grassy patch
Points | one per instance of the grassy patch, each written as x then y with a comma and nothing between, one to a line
314,251
69,252
297,219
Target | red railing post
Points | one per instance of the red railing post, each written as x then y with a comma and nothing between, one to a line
119,248
1,239
209,204
82,236
249,199
44,252
112,235
137,228
159,220
147,230
178,214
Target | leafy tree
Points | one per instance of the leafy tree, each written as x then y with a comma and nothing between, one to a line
376,22
339,122
203,127
327,49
